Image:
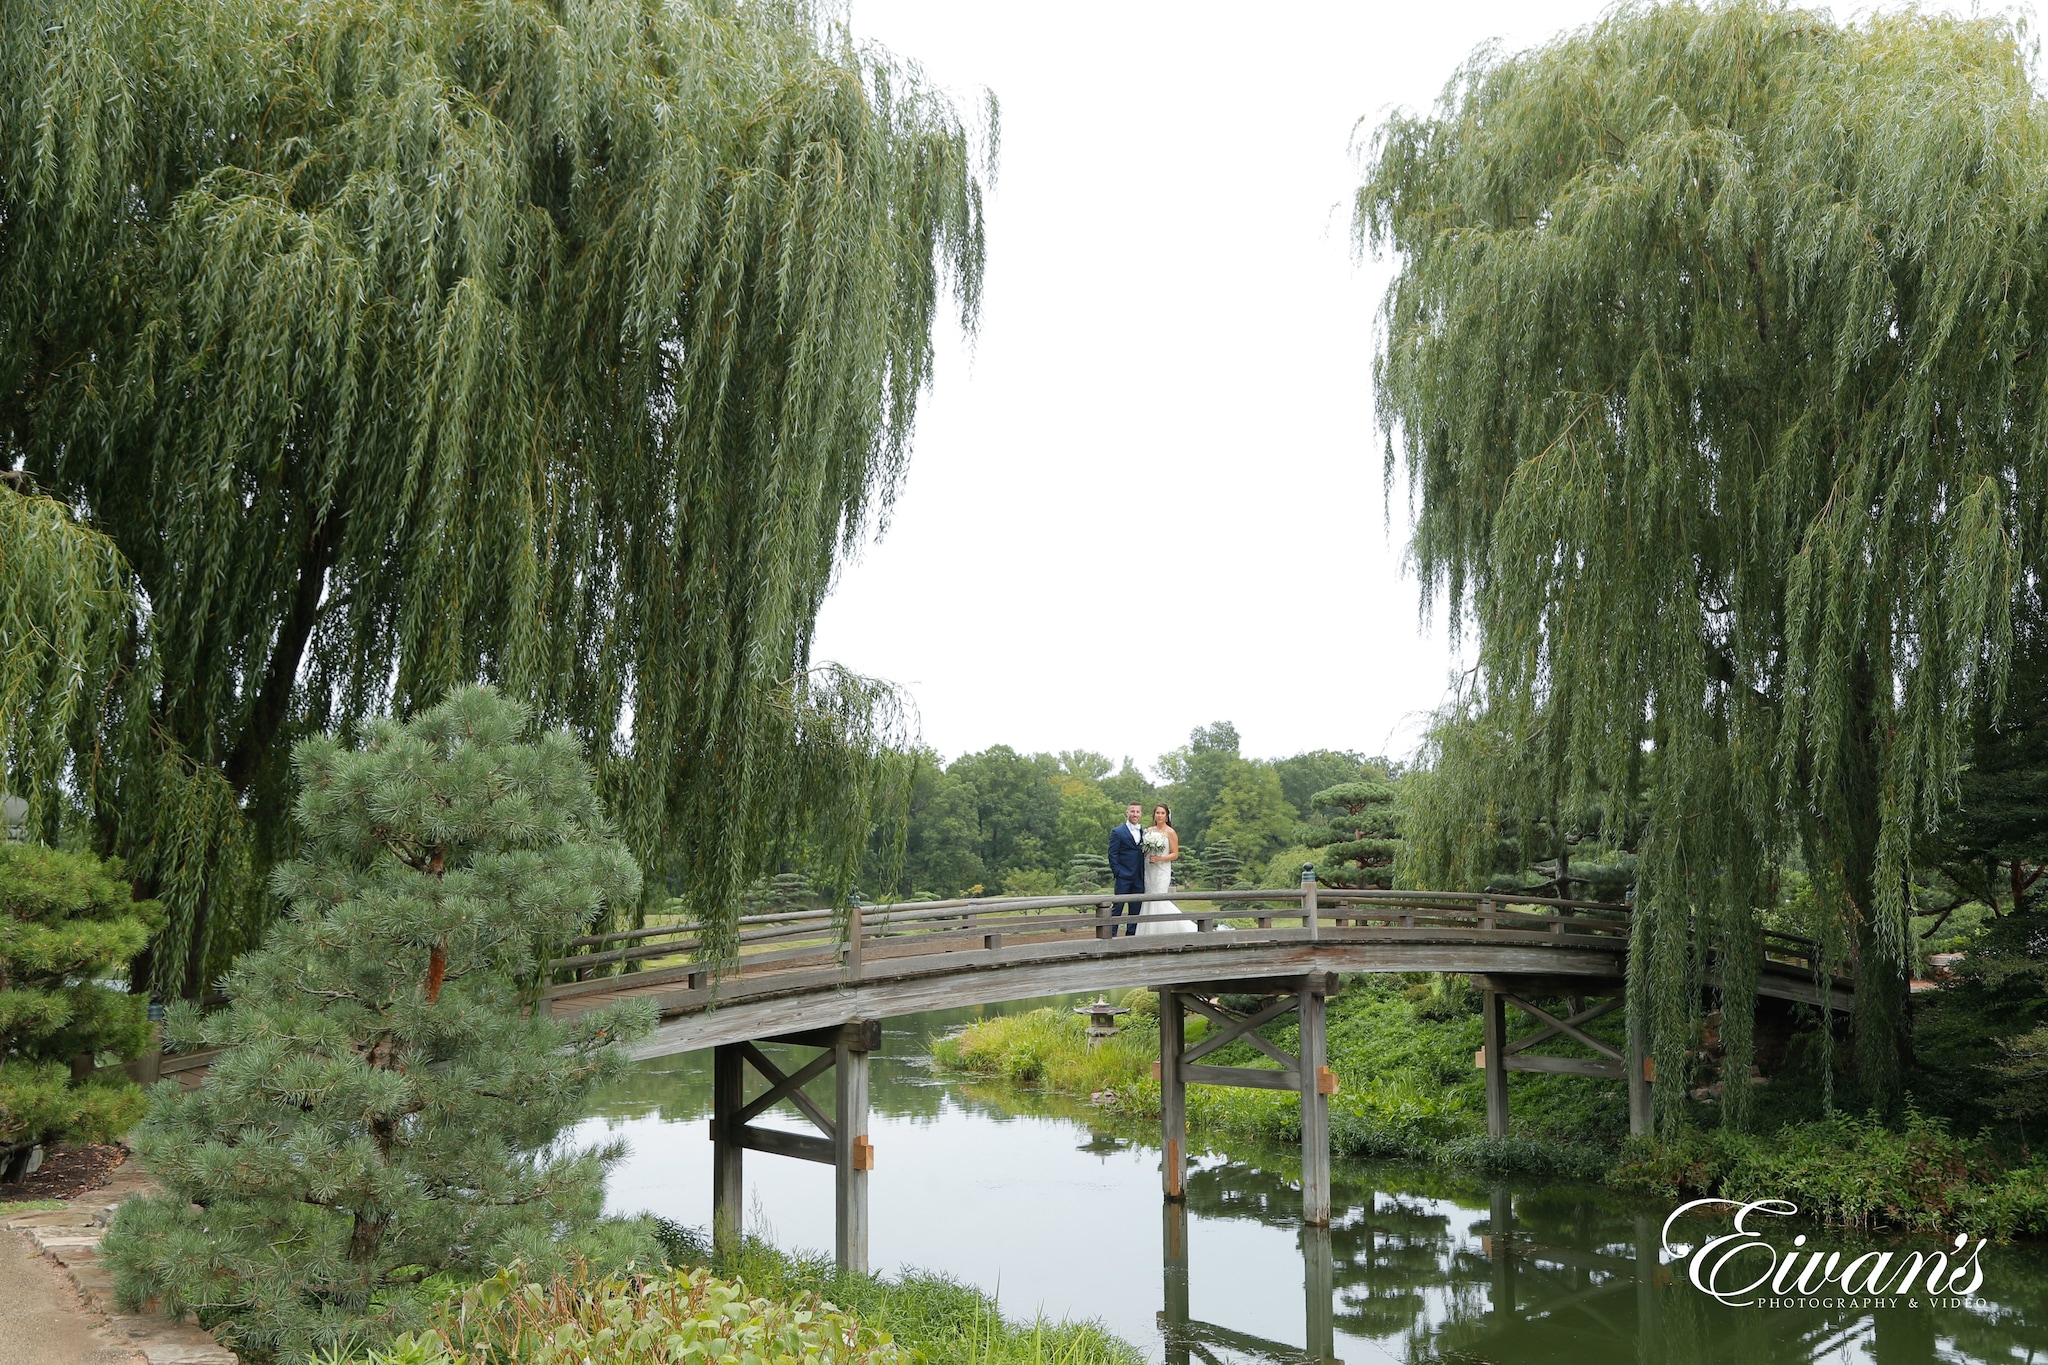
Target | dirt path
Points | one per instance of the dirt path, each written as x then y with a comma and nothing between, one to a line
42,1321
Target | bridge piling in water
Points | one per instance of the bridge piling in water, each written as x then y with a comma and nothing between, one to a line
1307,1073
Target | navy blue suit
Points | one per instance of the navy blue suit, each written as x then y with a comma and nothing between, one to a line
1127,866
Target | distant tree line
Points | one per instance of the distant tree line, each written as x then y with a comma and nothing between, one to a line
1001,822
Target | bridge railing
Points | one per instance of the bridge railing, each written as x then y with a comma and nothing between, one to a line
853,936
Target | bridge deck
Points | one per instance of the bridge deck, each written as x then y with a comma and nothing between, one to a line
812,969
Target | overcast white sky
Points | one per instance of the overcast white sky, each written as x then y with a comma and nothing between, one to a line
1167,417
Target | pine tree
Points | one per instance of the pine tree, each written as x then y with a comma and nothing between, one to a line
1364,853
1713,360
67,921
388,1101
1087,872
1220,865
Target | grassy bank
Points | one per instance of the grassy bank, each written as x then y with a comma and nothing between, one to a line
762,1304
1403,1051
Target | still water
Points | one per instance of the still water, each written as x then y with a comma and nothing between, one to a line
1055,1208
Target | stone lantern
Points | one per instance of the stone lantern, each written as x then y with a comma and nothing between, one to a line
1101,1019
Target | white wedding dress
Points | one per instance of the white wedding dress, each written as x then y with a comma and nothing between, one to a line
1158,878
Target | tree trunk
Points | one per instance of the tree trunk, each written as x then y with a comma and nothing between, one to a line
366,1239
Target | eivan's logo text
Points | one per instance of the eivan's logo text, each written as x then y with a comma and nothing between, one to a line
1741,1269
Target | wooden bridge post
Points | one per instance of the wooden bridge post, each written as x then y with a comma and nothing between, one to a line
728,1096
1173,1318
853,1156
1308,900
1312,1060
1494,1010
1173,1093
1319,1286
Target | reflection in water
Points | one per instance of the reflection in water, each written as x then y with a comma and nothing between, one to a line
1017,1196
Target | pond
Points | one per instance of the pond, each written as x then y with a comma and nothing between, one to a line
1055,1208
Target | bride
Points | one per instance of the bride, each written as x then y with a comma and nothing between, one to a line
1162,846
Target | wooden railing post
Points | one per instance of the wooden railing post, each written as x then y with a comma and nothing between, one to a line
853,932
1308,899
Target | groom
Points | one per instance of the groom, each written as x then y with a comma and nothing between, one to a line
1127,864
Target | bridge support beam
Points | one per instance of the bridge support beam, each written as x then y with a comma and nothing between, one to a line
1307,1075
1317,1082
1494,1013
842,1141
1173,1095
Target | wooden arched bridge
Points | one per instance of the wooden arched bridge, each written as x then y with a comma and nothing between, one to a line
825,978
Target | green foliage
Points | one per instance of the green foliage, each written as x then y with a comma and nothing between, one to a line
1712,361
1305,774
644,1320
1856,1172
1366,830
387,1106
1000,818
1251,813
1994,844
68,612
1087,872
67,922
1197,773
399,344
1979,1042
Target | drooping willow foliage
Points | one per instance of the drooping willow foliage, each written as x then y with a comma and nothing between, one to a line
1715,361
68,625
398,344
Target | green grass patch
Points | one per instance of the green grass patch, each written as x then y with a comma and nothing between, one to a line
763,1305
1048,1049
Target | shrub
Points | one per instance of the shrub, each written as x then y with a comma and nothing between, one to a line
1850,1171
67,922
387,1105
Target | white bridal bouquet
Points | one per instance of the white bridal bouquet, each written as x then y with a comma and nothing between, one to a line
1154,842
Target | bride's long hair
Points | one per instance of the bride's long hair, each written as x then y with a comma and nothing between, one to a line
1159,806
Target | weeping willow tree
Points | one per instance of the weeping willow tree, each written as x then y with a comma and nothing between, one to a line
1714,359
397,344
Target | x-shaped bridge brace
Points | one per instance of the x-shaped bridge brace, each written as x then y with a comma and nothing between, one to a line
1502,1054
841,1141
1306,1073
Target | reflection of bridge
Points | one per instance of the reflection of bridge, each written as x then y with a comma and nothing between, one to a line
821,977
1528,1285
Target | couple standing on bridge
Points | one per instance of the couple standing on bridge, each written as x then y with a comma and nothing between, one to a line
1141,860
